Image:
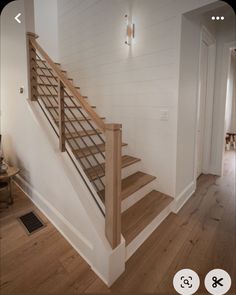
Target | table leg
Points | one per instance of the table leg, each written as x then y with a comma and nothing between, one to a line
10,202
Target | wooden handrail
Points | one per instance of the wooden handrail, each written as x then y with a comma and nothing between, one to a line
113,136
91,113
113,184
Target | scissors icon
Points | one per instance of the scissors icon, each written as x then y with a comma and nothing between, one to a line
217,282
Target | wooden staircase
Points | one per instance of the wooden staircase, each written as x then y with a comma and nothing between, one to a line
98,148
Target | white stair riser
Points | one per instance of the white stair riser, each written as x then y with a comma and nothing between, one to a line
138,195
131,169
126,171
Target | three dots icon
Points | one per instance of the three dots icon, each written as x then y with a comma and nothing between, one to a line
217,17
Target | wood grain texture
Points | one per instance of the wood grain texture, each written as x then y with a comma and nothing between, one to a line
133,183
51,96
125,162
82,133
80,119
11,171
43,262
66,107
201,237
113,151
92,149
50,85
138,216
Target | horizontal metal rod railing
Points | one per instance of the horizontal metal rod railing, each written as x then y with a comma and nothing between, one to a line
60,98
91,113
74,128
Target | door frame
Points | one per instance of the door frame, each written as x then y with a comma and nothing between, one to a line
210,40
218,167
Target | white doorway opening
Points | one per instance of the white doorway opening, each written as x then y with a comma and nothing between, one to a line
205,102
230,103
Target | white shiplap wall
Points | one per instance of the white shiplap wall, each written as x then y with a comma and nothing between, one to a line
129,85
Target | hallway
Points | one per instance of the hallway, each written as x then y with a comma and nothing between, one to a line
200,237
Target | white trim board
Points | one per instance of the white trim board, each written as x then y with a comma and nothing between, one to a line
66,229
183,197
113,264
55,217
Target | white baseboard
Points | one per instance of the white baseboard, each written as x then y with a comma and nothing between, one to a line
84,247
67,230
183,197
55,217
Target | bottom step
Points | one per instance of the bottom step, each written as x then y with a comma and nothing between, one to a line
141,214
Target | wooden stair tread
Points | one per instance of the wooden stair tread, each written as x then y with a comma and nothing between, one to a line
48,69
82,133
80,119
50,85
137,217
66,107
50,76
132,183
97,171
56,95
44,61
92,149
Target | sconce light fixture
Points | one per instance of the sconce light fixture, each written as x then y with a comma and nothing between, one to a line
129,30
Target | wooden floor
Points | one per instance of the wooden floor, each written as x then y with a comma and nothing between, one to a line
200,237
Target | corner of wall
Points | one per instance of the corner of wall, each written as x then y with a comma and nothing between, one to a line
183,197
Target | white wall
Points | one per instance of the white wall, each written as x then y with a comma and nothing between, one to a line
47,175
130,85
46,26
223,32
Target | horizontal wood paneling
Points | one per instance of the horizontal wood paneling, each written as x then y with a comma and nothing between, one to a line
129,85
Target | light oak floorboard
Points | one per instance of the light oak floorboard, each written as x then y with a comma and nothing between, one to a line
201,237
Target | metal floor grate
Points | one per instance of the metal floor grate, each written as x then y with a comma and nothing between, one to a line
31,222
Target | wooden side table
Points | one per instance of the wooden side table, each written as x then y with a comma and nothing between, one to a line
7,177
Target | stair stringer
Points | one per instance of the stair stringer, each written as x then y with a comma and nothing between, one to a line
108,264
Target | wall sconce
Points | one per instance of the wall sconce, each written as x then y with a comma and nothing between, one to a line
129,31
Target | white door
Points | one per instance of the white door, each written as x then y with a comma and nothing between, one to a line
202,104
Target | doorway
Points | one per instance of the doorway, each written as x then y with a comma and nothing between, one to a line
205,102
230,106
